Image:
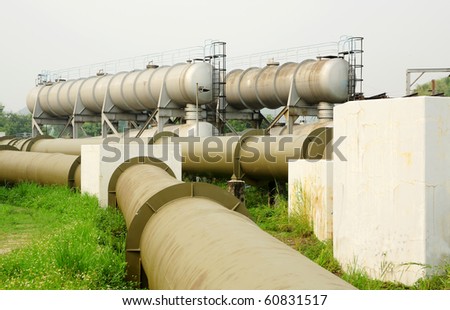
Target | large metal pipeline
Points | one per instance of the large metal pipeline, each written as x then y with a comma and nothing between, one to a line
187,235
253,157
250,157
189,240
269,87
63,146
47,144
42,168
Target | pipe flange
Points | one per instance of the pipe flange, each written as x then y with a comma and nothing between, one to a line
71,174
238,173
30,143
8,148
112,201
318,144
174,192
7,138
161,135
158,201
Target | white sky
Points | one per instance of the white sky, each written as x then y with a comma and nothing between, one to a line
58,34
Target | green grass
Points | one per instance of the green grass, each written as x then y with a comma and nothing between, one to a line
65,240
58,239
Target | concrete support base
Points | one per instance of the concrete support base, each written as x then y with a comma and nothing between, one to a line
392,192
311,194
100,161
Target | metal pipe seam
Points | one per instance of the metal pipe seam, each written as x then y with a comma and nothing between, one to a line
8,140
135,219
29,144
160,135
236,172
253,157
8,147
138,160
139,201
42,168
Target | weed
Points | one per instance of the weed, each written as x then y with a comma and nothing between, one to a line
74,244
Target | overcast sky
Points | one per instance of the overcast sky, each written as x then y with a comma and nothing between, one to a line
57,34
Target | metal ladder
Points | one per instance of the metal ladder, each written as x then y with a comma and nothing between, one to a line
351,49
217,57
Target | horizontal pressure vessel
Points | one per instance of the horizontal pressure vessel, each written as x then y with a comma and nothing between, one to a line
92,92
269,87
137,90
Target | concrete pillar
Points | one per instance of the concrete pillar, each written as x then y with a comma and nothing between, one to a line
100,161
311,194
391,210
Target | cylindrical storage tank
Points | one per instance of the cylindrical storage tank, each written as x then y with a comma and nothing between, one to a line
57,99
284,77
182,79
266,90
137,90
32,97
129,84
314,81
156,82
232,89
323,80
146,86
115,91
54,103
44,101
93,91
68,95
247,89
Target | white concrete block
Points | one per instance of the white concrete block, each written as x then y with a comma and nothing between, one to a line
392,194
100,161
311,194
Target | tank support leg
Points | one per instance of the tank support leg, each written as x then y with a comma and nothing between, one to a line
237,188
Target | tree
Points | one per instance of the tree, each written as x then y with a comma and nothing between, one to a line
2,118
92,129
442,86
14,124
